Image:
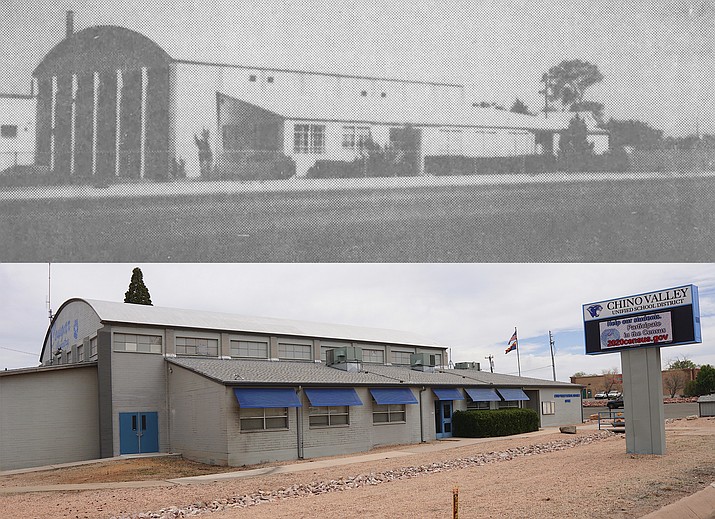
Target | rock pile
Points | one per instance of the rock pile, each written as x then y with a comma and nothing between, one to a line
322,487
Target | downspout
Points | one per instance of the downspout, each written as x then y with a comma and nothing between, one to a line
299,423
422,427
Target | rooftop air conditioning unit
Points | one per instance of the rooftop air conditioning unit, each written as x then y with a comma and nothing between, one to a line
347,358
468,365
423,362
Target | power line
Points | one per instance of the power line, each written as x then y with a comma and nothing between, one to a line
18,351
533,369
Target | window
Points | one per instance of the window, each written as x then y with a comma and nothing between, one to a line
251,349
388,413
263,418
401,357
269,79
324,352
195,346
355,137
363,93
309,138
478,406
383,95
93,348
373,356
252,78
68,356
8,131
295,351
329,416
80,353
140,343
548,407
507,403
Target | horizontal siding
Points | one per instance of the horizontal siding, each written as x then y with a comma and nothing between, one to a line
48,417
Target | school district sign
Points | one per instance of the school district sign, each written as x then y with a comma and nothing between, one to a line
664,318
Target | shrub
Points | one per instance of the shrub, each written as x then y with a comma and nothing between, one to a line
255,166
500,422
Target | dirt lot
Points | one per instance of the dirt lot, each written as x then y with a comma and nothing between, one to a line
551,475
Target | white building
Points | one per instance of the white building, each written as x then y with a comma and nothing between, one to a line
112,102
17,130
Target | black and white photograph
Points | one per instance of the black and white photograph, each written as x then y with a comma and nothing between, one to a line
375,132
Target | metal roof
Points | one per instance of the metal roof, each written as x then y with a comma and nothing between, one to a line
706,398
197,319
260,372
390,111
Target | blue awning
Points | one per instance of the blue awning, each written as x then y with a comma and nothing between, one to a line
482,394
451,393
393,395
512,394
332,397
266,397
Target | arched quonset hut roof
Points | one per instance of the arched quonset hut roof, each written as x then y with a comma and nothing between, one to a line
103,47
143,315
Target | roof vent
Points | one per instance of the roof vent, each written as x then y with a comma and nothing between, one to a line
347,358
468,365
423,362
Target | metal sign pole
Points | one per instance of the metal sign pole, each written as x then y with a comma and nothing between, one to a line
643,401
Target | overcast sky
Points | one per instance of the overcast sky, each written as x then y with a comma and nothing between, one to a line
656,55
471,309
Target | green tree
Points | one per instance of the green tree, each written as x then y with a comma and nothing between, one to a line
138,293
678,363
705,381
579,374
570,79
519,107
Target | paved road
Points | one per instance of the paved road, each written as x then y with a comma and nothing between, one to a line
583,219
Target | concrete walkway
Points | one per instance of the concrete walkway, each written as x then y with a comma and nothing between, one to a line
700,505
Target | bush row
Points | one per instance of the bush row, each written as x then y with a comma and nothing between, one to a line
499,422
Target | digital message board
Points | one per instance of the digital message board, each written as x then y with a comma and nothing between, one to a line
664,318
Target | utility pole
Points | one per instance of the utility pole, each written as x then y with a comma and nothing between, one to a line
491,362
551,344
545,80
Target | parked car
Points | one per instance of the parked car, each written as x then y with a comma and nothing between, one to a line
615,404
614,394
599,396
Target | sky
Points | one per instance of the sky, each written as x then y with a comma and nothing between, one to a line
470,308
656,55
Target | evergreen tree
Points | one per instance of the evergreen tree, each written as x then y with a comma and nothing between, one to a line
138,293
574,148
519,107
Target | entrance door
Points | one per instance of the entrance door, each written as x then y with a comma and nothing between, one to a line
443,418
138,433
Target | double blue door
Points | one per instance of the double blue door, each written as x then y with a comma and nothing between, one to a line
443,418
138,433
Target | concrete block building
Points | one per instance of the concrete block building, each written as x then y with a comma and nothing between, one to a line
224,389
114,103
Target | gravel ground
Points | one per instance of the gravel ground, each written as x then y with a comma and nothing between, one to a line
588,475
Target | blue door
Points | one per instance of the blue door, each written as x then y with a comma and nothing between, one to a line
443,418
138,433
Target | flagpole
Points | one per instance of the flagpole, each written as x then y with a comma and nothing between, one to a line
518,362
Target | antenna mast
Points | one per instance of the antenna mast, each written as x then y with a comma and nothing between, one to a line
551,344
49,306
491,362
